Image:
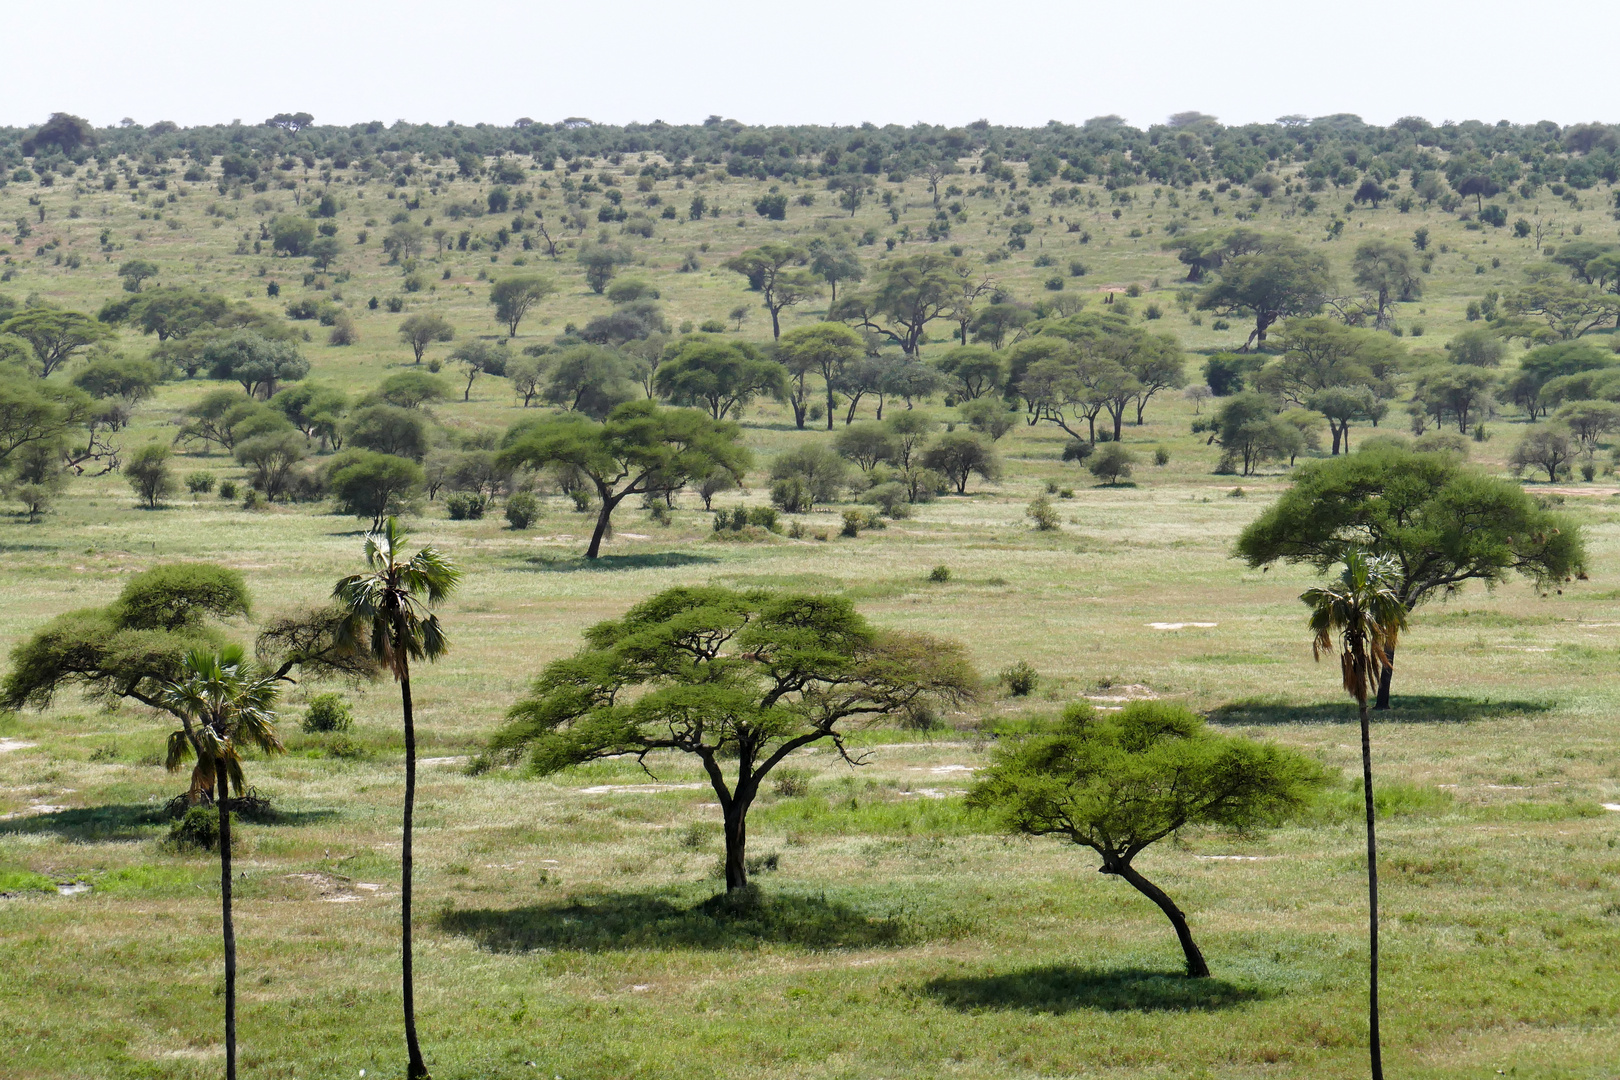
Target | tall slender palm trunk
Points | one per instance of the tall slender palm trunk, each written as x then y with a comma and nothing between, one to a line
1372,899
220,797
417,1068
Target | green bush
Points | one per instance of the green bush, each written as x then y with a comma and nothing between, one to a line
1020,679
227,489
327,712
464,506
200,482
522,510
198,828
1043,514
940,574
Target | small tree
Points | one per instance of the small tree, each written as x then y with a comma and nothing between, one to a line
1366,616
601,262
719,375
740,680
480,358
420,331
1118,783
1112,463
771,269
824,349
959,455
136,272
149,474
513,297
370,484
639,448
1546,448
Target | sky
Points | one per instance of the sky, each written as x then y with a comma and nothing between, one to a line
830,61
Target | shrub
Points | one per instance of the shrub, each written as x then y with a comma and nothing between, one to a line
792,496
522,510
227,489
712,326
854,521
1112,463
1020,679
790,783
464,506
940,574
198,828
1055,283
1077,450
148,473
1161,456
891,497
200,482
1043,514
327,712
1077,268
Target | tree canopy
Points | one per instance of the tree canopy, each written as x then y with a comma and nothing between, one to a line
739,679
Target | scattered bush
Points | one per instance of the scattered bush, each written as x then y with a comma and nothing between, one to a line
327,712
790,783
1020,679
1161,456
198,829
227,489
1043,514
200,482
464,506
1112,463
522,510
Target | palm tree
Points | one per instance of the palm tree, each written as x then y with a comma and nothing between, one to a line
385,611
1363,611
222,701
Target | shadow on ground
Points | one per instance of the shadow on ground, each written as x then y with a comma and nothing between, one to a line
1404,709
648,921
654,560
1062,989
133,821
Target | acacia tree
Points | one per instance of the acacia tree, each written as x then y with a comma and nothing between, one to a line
420,331
1366,616
222,701
1279,280
387,615
826,349
719,375
514,296
740,680
1120,783
907,294
835,262
1440,523
53,335
772,271
639,448
1385,270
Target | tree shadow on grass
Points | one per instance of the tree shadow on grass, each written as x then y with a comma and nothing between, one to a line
1404,709
554,564
132,821
1062,989
625,921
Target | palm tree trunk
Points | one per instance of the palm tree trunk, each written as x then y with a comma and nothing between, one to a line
1196,967
1372,900
417,1069
220,793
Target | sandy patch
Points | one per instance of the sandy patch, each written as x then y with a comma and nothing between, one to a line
1610,805
1232,858
442,760
8,745
30,811
1182,625
618,789
332,889
1130,692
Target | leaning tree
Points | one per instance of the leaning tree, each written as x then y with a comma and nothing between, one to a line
1118,783
739,680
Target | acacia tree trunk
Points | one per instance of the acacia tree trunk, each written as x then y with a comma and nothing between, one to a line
1372,899
603,522
736,826
1196,967
417,1068
220,793
1385,678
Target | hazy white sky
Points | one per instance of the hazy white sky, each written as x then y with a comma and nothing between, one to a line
832,61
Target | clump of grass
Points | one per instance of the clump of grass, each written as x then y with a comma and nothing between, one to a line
940,574
790,783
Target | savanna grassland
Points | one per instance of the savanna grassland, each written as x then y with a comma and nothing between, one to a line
568,926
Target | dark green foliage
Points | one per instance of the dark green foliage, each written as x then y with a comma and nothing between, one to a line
373,484
718,375
1020,679
389,429
149,474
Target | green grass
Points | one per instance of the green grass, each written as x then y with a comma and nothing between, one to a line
580,930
